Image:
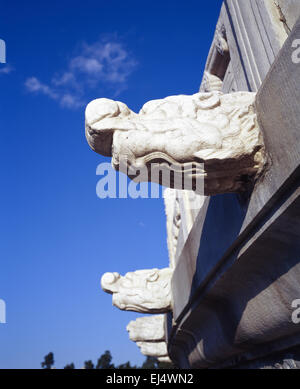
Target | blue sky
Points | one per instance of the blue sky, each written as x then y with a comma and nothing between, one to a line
57,236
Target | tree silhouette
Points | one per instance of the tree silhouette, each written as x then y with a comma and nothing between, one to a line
126,365
48,361
70,366
165,365
104,362
88,365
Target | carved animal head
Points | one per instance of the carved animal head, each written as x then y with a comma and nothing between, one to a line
211,136
141,291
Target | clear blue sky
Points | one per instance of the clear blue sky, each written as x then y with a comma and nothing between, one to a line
57,237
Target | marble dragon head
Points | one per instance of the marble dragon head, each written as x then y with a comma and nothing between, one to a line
212,137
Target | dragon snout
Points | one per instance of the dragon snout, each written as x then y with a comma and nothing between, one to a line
98,133
100,109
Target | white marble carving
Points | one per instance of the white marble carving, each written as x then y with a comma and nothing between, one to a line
220,39
146,291
211,83
147,328
153,349
173,222
217,62
211,136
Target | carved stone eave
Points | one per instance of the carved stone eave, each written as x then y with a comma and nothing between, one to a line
212,137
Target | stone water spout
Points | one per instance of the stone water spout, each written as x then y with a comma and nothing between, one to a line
212,137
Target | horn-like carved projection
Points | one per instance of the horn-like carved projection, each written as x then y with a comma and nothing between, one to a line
211,137
145,291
